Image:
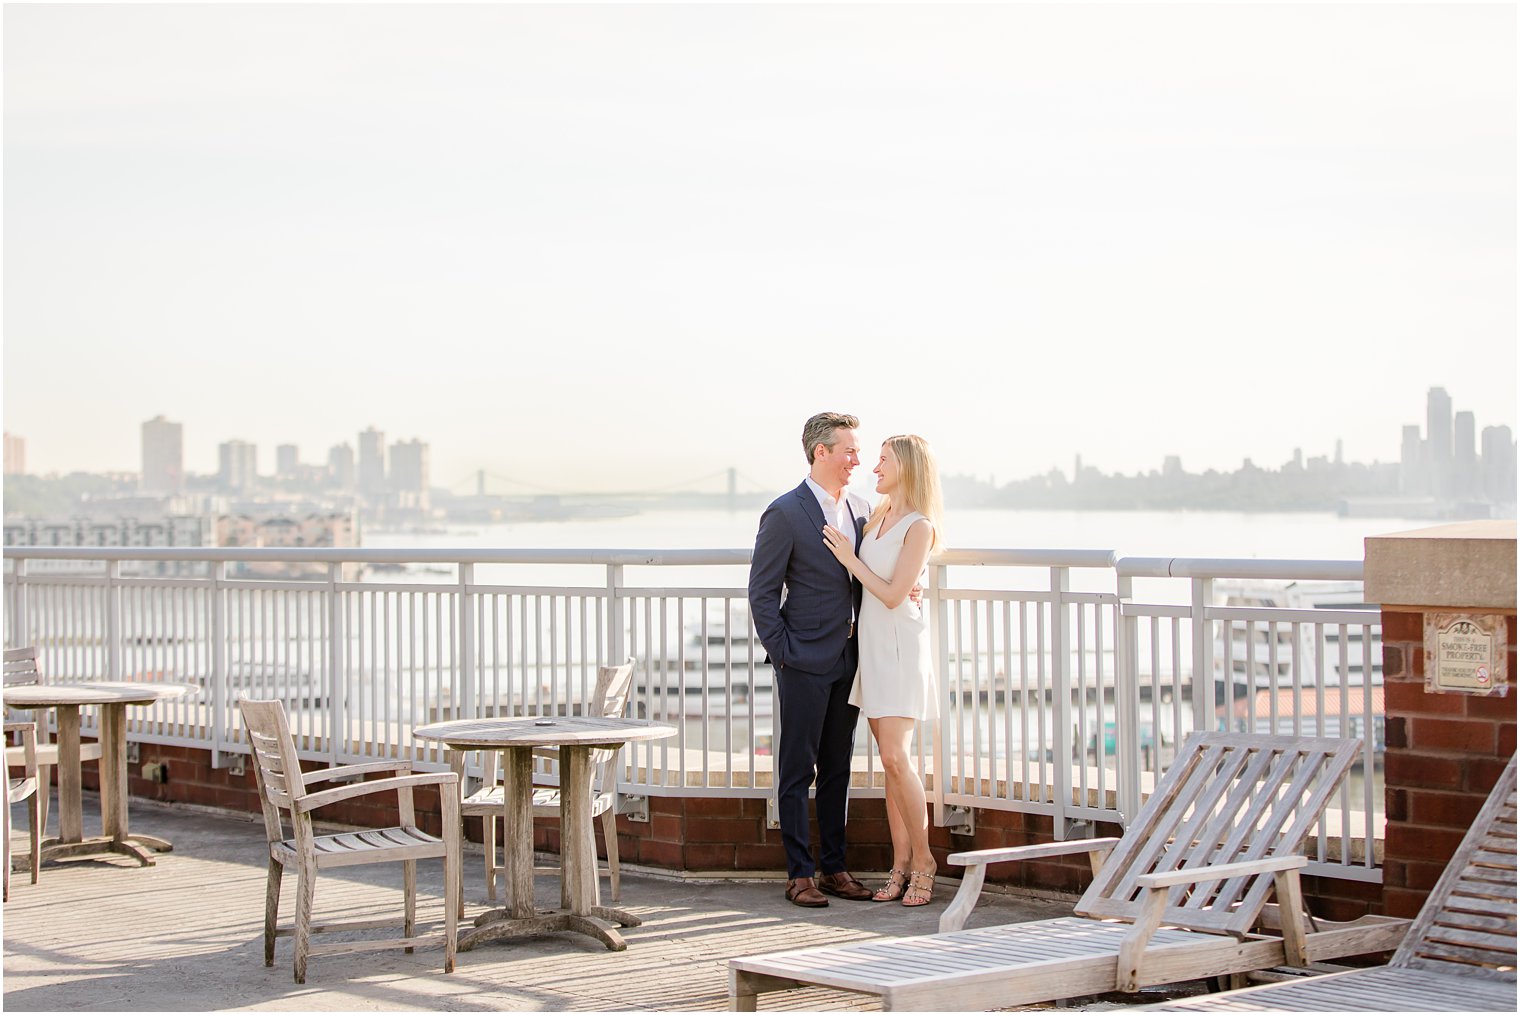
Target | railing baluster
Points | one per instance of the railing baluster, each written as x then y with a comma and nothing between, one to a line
382,654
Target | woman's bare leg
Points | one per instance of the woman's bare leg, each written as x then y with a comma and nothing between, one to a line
905,791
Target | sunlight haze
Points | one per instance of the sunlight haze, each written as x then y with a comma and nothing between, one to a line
624,247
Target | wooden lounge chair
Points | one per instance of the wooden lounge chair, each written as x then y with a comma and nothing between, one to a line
284,787
1183,895
1458,956
608,698
23,787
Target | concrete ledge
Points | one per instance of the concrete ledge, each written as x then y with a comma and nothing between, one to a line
1469,564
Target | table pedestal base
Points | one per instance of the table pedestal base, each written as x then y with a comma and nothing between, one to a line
498,923
135,846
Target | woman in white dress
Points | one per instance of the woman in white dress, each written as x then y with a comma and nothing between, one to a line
895,686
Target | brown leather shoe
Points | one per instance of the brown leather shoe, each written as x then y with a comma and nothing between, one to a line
844,886
802,892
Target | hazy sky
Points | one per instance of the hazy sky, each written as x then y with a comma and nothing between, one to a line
626,246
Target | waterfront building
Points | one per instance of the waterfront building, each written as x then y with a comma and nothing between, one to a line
372,463
1438,442
340,466
410,475
1465,480
239,465
318,529
163,530
1412,479
287,461
125,530
15,455
1498,466
163,456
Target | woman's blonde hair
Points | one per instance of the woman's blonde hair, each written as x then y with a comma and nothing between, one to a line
917,485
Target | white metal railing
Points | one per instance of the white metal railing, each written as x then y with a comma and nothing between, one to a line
1064,692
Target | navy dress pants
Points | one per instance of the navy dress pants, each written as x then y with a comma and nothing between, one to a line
817,740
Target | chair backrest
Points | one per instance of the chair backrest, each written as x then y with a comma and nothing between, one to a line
1228,797
21,666
1467,925
609,698
276,769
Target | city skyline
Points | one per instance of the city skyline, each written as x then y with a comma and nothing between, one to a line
598,245
1452,457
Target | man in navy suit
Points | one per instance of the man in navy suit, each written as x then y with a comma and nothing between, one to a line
810,637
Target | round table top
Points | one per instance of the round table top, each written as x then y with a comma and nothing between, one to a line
92,692
542,731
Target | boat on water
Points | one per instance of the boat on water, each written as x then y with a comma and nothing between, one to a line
1295,677
1262,653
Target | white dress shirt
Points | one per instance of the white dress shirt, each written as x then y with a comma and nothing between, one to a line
839,514
835,512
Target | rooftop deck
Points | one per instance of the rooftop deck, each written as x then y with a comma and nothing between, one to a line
102,934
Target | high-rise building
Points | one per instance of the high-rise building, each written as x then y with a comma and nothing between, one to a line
163,456
372,462
409,475
1498,466
340,466
1465,478
15,455
1438,443
1464,443
1412,463
287,461
238,465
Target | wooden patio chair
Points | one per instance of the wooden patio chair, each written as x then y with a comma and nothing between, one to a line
22,667
1182,895
24,787
283,787
1458,956
608,698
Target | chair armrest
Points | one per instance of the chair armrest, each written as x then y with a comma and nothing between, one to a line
28,731
977,857
346,771
312,801
1157,891
975,861
1221,872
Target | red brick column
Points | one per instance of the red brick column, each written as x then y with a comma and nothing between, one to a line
1445,750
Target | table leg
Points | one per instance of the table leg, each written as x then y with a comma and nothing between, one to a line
577,844
70,783
113,772
517,829
113,788
518,915
113,792
578,849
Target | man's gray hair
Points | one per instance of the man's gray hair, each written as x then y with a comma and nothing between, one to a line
820,430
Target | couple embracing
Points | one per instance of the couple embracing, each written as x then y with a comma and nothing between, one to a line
849,636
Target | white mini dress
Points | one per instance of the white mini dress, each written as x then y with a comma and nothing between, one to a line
896,673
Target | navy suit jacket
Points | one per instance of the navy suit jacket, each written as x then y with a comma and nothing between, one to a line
811,629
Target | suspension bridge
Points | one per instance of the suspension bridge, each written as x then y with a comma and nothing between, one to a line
724,487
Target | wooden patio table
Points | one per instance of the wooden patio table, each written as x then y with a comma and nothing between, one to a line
575,737
113,697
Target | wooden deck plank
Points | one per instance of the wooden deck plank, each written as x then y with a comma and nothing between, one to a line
1380,989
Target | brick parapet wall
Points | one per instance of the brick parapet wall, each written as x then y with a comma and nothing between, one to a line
704,835
1444,754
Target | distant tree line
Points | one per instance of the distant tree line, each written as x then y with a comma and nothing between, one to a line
1320,487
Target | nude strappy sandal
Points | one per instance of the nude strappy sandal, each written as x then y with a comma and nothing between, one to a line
920,891
897,881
